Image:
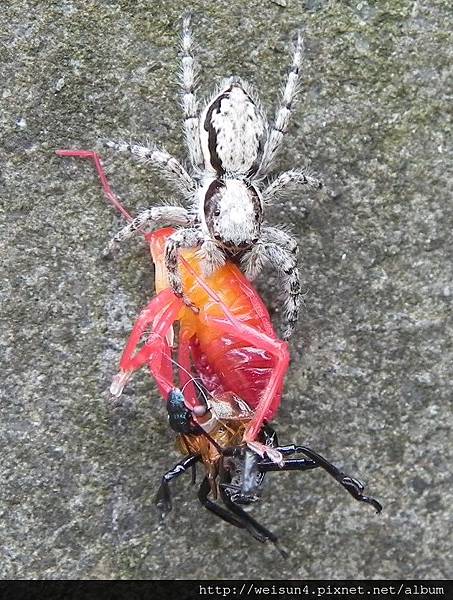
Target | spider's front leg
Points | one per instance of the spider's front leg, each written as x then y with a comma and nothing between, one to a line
156,215
183,238
280,250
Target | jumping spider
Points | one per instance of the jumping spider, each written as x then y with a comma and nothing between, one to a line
231,147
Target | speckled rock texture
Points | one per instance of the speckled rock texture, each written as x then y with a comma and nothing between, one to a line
371,376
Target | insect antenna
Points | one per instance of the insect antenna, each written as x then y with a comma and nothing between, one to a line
193,379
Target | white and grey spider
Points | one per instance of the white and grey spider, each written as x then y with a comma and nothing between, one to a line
231,147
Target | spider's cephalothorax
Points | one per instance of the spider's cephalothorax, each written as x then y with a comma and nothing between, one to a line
231,149
231,213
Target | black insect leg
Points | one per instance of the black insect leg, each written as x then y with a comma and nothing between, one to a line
351,485
163,496
252,526
224,514
292,464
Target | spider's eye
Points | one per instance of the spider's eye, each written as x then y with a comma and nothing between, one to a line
217,212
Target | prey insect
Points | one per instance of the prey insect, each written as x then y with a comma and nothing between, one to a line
231,148
229,340
231,369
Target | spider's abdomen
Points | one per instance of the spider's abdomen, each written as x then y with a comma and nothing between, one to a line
232,131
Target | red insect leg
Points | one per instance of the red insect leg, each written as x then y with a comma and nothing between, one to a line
277,348
102,176
160,314
164,376
258,305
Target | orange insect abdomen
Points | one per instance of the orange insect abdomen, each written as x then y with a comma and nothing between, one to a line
226,359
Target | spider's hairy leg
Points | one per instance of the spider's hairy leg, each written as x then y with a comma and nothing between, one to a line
183,238
189,99
286,265
168,165
212,257
279,249
283,113
170,215
253,262
290,178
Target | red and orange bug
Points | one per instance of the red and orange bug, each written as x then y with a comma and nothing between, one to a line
230,341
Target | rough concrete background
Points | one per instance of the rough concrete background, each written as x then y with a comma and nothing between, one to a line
370,384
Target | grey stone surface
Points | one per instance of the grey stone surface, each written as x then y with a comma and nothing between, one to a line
371,377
